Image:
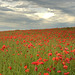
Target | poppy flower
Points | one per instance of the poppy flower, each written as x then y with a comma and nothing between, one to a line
40,59
59,71
54,68
53,58
48,69
49,54
36,69
63,63
3,47
37,54
41,63
66,73
35,63
45,60
25,66
27,70
46,73
10,67
57,58
65,67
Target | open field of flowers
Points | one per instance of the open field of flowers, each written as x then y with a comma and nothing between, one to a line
38,52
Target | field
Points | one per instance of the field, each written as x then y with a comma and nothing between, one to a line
38,52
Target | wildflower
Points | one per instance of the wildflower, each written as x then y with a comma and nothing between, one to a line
13,54
37,54
57,58
6,50
35,63
66,73
27,70
45,60
65,67
54,68
66,52
60,58
63,63
40,59
58,54
3,47
24,41
41,63
36,69
70,58
66,48
46,73
10,67
48,69
49,54
25,66
18,54
51,66
59,71
53,58
67,59
28,46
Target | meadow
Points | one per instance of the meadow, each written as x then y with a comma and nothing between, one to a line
38,52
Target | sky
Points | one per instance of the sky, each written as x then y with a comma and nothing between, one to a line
36,14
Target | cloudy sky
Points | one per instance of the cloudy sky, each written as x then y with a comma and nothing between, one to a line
36,14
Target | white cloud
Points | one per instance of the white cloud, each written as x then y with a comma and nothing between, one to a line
45,15
32,16
60,17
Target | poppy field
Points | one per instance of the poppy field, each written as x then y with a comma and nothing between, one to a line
38,52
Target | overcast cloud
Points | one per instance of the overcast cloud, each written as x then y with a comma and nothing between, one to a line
36,14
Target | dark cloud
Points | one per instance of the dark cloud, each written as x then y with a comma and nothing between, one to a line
66,6
16,18
62,5
22,6
69,11
5,9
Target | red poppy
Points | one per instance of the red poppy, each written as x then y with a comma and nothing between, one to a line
25,66
3,47
65,67
53,58
57,58
49,54
66,73
59,71
54,68
35,63
36,69
48,69
37,54
45,60
46,73
10,67
27,70
41,63
63,63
